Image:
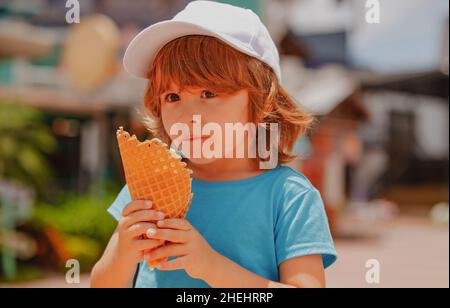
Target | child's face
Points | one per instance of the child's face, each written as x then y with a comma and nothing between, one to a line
185,107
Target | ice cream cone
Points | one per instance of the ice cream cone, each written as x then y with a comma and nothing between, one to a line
155,172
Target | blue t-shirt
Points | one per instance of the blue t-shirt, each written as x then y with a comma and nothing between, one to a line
258,222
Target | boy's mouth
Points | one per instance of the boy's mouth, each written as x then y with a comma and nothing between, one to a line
194,137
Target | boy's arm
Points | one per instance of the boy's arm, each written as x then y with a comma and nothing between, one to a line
303,272
300,272
109,272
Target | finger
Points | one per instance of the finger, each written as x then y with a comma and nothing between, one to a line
137,205
143,216
175,236
174,223
169,250
175,264
153,264
139,229
147,244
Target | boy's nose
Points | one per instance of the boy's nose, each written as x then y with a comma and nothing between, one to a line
192,106
192,112
191,100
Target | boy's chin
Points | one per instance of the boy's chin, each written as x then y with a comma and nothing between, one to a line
202,161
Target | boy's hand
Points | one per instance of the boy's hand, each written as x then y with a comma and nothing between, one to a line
133,225
194,253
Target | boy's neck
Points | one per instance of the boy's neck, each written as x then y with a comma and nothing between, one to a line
225,170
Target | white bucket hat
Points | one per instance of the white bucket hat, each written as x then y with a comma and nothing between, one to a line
238,27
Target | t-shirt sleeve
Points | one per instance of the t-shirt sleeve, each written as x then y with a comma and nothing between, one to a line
302,226
122,199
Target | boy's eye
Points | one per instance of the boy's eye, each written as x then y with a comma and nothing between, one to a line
172,97
208,94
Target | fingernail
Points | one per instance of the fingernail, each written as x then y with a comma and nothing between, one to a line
148,203
152,268
151,232
161,215
160,223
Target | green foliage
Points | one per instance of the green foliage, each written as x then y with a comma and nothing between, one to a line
85,250
83,223
83,216
24,273
25,139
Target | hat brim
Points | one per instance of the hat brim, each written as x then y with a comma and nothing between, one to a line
145,46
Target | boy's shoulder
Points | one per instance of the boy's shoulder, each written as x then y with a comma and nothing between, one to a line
293,191
289,179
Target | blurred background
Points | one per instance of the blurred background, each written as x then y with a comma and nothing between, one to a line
379,153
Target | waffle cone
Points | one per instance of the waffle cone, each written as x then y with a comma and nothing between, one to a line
155,172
